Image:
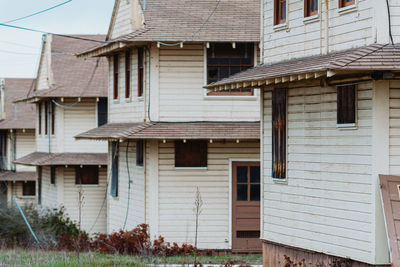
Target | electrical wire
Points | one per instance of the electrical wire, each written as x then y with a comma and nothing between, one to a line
197,31
18,53
19,44
129,185
37,13
390,22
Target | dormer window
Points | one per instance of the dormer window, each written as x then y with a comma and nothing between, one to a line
310,8
344,3
279,12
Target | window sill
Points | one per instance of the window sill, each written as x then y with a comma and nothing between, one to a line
27,197
191,168
279,27
140,99
311,19
87,185
139,166
128,100
115,101
280,181
347,126
347,9
231,97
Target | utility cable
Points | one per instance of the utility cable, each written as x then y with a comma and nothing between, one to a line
37,13
197,31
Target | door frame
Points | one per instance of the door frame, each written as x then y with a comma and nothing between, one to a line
231,161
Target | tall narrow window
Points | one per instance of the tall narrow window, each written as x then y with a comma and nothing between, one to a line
102,111
279,133
46,118
114,169
344,3
115,77
310,8
39,187
40,118
139,152
127,74
140,71
346,104
3,150
53,117
280,12
53,174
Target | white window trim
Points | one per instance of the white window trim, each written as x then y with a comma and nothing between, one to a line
347,9
253,97
349,126
282,26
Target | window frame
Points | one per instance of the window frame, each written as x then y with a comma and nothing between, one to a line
343,3
24,188
140,146
52,175
140,70
279,155
114,169
128,74
277,11
178,149
116,76
307,9
46,118
339,122
79,172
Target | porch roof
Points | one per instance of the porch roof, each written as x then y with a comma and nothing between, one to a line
7,176
175,130
375,57
54,159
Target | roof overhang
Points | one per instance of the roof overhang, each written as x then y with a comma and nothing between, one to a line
60,159
9,176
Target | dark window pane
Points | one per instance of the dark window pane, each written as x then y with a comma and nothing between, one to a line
254,174
139,152
346,104
53,175
114,169
29,188
241,192
87,175
241,174
255,192
223,72
235,70
191,154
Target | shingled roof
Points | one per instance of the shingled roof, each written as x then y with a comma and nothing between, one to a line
75,77
175,130
17,176
55,159
180,20
368,58
21,115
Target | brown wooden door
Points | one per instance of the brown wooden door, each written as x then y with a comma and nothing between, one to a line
246,194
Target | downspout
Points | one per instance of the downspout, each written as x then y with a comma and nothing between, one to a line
261,46
327,26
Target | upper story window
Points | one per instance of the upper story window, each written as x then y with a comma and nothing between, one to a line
128,74
346,104
46,118
53,117
140,71
344,3
40,118
279,12
115,75
223,60
102,111
310,8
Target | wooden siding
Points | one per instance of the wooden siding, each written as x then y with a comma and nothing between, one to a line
25,145
15,190
117,208
50,198
121,23
394,128
301,38
181,81
177,189
44,67
326,205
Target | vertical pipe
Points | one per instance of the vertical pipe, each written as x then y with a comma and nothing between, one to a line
26,221
327,26
144,4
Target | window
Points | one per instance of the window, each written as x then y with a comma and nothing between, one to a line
114,169
191,154
140,71
139,152
223,61
115,70
53,118
344,3
87,175
3,150
53,174
29,188
280,12
46,118
346,104
279,133
102,109
40,118
310,8
127,74
39,172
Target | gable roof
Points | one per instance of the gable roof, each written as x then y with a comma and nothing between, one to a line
25,116
368,58
186,20
75,77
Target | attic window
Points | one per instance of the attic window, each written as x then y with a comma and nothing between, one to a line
223,60
279,12
310,8
344,3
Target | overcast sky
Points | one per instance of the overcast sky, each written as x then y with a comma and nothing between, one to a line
19,50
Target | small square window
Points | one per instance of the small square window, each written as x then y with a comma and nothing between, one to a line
87,175
346,104
191,154
29,188
310,8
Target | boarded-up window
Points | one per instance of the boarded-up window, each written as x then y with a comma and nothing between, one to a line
223,61
46,118
279,12
344,3
29,188
53,174
346,104
102,110
139,152
115,75
127,74
310,8
279,133
191,154
53,117
87,175
40,118
140,71
114,169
